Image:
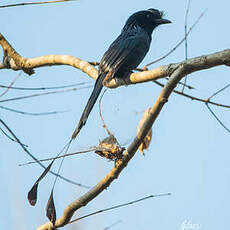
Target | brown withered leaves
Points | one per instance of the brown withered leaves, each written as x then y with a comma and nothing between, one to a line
109,148
145,144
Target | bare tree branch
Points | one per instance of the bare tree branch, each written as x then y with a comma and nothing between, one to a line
17,62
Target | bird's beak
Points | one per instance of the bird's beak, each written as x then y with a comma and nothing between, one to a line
162,21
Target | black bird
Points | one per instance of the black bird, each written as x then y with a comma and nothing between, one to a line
124,54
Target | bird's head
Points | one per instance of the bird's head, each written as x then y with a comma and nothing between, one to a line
147,19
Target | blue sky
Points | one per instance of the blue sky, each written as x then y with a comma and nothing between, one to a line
189,153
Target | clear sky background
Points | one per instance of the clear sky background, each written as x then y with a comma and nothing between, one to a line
189,153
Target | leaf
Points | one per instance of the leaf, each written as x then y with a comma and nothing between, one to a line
32,194
50,209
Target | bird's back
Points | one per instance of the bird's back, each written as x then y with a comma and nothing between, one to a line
126,52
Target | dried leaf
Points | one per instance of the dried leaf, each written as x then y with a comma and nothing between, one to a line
147,140
32,194
50,209
145,144
110,148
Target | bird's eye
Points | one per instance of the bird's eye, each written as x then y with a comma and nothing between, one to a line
148,16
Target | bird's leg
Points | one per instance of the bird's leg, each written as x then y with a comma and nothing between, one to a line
125,78
108,77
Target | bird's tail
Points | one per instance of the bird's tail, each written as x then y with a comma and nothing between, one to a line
92,100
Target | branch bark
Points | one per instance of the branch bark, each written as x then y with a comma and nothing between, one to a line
13,60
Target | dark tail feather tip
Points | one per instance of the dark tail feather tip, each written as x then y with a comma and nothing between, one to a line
75,133
77,130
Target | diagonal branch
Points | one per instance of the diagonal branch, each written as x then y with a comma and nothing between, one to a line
175,77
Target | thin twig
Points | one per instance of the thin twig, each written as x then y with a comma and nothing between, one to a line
186,40
44,88
60,156
10,85
90,149
42,94
31,114
119,206
215,116
179,43
10,137
112,225
185,30
100,113
195,98
36,3
220,90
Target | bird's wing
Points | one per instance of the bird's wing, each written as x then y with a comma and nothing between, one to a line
126,52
